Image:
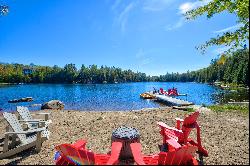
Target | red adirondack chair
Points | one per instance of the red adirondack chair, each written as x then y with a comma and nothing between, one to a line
181,133
184,155
76,154
173,92
181,156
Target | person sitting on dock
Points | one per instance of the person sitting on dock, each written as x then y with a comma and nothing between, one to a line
154,91
162,91
173,92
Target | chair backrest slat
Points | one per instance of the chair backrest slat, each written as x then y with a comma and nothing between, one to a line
78,156
24,112
15,125
191,119
71,153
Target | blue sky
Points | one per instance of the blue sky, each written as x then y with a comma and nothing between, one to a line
150,36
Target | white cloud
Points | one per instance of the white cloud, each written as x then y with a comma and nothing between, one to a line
229,28
178,24
187,6
156,5
123,16
183,8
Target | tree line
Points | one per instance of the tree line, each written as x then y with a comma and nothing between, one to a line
231,68
19,73
227,68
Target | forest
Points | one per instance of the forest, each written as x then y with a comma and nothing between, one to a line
231,68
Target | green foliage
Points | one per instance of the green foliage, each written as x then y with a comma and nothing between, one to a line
229,107
231,69
13,73
240,8
190,110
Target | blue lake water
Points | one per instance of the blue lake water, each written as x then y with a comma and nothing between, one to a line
101,97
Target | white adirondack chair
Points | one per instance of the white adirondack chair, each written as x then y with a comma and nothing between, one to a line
33,123
36,138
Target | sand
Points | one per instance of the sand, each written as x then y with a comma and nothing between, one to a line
225,135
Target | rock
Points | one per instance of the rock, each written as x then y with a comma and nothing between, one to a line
100,118
53,104
26,99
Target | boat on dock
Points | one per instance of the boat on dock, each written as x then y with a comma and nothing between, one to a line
166,97
147,95
173,101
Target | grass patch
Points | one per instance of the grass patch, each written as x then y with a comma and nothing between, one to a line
190,110
230,107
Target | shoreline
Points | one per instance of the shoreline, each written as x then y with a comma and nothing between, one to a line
222,85
2,83
195,106
224,134
121,111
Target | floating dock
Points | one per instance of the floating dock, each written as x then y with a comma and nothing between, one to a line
173,101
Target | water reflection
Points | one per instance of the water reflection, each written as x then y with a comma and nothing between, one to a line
225,96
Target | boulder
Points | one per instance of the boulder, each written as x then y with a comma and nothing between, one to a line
53,104
26,99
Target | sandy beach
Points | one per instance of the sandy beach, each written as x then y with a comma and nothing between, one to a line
225,135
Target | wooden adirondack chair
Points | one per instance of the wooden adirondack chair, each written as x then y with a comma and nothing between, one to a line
37,136
181,133
33,123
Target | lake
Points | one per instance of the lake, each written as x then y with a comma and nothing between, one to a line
101,97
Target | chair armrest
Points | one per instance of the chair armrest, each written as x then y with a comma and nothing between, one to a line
161,124
33,121
80,144
26,132
42,113
179,119
173,143
36,121
136,151
115,153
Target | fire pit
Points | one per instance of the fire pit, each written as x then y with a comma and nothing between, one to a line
125,135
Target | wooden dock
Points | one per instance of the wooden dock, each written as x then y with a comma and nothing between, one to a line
173,101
